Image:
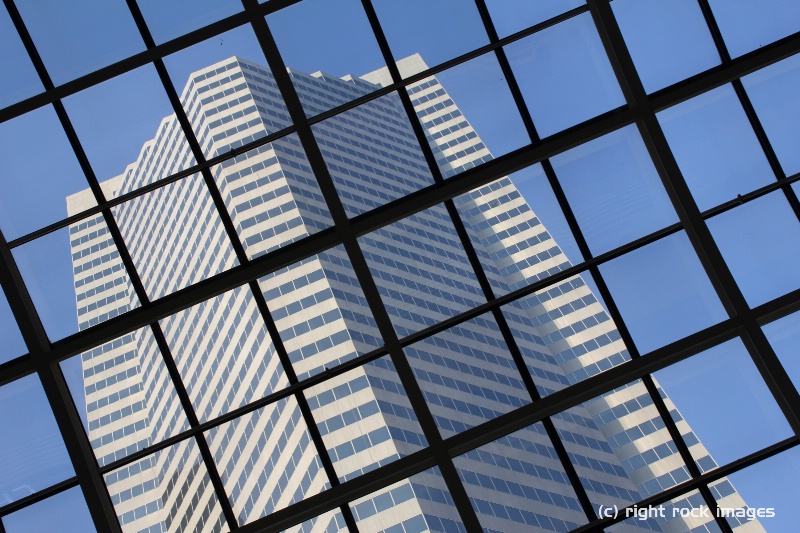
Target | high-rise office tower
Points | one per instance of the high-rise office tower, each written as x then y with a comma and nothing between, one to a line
267,460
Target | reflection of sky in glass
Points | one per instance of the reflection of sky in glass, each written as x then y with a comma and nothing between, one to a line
715,147
614,190
32,454
662,292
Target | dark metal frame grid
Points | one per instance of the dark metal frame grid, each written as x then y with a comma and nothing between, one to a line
44,357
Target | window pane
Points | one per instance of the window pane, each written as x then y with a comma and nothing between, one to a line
123,130
759,241
175,236
32,454
66,512
622,449
13,58
76,269
565,334
320,311
365,418
372,154
77,38
770,490
125,396
746,25
267,460
330,522
331,39
167,20
668,39
224,353
35,182
513,245
272,196
419,503
715,147
467,375
564,75
437,31
469,114
170,487
227,91
511,16
517,483
614,189
421,270
662,292
715,391
773,92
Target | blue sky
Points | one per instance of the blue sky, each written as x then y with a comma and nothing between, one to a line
661,290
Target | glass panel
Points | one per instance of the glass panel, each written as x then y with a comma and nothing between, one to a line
35,182
77,38
333,40
421,270
32,454
773,91
746,25
467,375
768,493
513,246
715,147
227,91
662,292
511,16
565,334
621,449
267,460
272,196
11,343
13,58
668,39
175,236
759,241
124,395
224,353
517,483
684,513
614,189
66,512
76,269
436,31
365,418
419,503
372,154
564,75
123,130
170,488
715,391
320,311
458,105
167,20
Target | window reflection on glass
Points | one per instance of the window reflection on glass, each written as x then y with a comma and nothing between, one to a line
564,75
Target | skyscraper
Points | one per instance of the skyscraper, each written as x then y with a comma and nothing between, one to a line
617,443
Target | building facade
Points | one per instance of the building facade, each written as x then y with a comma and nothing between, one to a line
267,460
